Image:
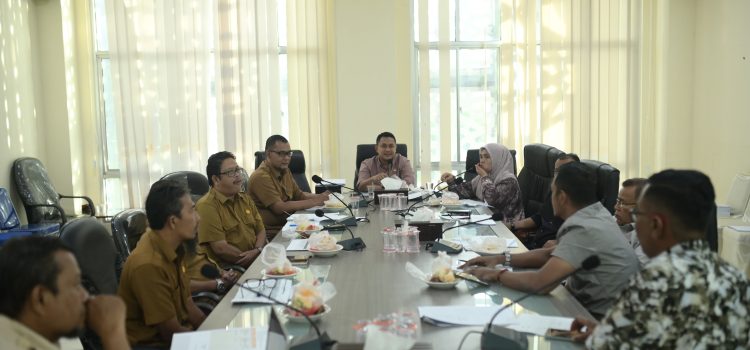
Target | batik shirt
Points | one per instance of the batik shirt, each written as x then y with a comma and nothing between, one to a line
684,298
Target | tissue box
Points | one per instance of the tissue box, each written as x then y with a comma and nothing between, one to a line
428,231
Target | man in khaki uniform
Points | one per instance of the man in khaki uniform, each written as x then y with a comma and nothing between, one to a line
231,231
153,284
273,189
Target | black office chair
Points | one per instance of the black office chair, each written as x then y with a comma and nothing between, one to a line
607,180
536,176
195,181
127,228
40,199
472,159
297,167
368,151
712,231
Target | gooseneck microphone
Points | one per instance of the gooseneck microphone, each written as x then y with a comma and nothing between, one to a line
406,212
355,243
353,222
512,339
453,247
322,341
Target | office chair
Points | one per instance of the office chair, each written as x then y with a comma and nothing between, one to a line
472,159
10,223
297,167
195,181
607,180
40,199
127,228
366,151
536,175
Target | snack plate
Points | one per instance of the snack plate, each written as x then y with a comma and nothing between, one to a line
442,285
483,252
326,310
296,271
326,253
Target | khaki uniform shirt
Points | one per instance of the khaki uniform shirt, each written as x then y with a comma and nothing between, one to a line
16,336
235,220
268,186
195,262
155,289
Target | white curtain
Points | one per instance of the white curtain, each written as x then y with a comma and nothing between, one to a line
570,76
195,77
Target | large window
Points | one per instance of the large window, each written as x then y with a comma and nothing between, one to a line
474,44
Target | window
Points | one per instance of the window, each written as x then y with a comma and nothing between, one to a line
474,44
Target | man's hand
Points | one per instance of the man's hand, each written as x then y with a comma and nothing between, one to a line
550,244
230,277
580,334
105,315
377,177
485,273
487,261
247,257
447,178
480,170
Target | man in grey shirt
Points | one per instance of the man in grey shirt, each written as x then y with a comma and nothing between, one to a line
589,229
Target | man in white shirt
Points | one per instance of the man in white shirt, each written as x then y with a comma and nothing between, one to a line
42,299
626,199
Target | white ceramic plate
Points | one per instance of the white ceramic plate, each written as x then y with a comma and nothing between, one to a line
488,252
326,310
442,285
296,271
326,253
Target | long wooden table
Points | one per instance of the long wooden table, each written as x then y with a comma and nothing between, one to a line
372,283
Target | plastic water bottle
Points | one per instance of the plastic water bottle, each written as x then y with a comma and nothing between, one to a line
412,240
390,240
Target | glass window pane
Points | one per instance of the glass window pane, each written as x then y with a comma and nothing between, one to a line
433,19
100,25
435,139
479,20
110,122
112,197
282,22
284,85
478,98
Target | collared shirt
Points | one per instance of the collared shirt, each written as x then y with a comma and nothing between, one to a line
684,298
628,230
16,336
593,231
504,196
195,262
235,220
155,289
269,186
400,166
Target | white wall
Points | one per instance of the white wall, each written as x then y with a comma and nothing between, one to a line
721,82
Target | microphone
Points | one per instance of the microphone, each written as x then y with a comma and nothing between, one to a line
353,222
355,243
407,211
510,339
453,247
322,341
456,178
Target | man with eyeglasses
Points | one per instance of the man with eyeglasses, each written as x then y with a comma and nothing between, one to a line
629,192
686,297
387,163
274,190
231,230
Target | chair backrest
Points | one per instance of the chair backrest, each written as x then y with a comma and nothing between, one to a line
365,151
712,231
35,188
195,181
8,215
536,176
472,159
96,254
607,180
127,228
297,167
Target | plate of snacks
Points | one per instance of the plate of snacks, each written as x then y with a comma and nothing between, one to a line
322,244
295,316
306,230
286,272
310,299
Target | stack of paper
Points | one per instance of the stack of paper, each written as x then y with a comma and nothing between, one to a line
447,316
224,339
280,289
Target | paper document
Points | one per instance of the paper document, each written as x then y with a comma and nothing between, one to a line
740,228
538,324
313,218
445,316
487,219
511,243
297,244
222,339
473,203
280,289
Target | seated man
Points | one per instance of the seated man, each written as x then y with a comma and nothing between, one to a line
274,190
194,262
686,297
153,282
589,229
629,192
231,231
42,299
387,163
544,222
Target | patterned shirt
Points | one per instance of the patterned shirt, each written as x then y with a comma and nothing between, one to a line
685,298
504,196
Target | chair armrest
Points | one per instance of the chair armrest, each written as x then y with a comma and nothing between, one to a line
56,206
205,307
208,295
237,268
90,202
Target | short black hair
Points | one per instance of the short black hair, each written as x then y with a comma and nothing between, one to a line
163,200
566,156
24,264
638,182
577,181
213,167
273,139
384,134
686,194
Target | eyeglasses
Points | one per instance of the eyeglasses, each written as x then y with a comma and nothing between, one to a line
620,203
283,153
232,172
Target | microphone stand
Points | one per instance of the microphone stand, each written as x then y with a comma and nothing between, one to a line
452,247
355,243
407,212
349,222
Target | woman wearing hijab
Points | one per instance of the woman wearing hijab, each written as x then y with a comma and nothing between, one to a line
495,183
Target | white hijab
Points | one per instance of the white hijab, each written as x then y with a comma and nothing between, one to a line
502,167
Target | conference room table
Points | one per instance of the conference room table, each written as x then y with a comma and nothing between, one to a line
371,282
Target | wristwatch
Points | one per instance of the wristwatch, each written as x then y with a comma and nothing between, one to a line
221,287
512,227
507,258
